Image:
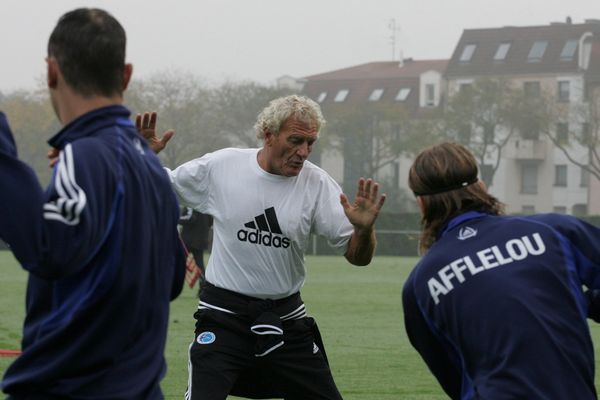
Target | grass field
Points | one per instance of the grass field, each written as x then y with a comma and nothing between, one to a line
359,314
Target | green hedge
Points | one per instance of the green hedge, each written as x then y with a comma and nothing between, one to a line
388,243
391,244
405,244
592,219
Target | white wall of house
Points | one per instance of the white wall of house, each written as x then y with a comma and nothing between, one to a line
333,162
426,80
541,155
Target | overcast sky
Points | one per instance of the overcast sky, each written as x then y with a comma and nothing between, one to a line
261,40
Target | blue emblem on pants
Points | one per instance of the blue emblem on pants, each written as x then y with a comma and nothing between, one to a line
206,338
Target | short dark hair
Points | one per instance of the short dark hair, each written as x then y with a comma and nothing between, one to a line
445,176
89,46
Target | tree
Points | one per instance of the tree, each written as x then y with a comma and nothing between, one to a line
183,103
372,138
236,106
574,128
483,116
33,122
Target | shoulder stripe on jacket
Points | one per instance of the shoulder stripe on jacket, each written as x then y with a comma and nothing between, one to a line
71,198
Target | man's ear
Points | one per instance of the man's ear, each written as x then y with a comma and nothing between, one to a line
127,71
52,72
269,137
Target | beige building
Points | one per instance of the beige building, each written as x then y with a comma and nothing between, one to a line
414,88
559,61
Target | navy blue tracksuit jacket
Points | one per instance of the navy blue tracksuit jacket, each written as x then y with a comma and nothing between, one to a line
497,311
104,261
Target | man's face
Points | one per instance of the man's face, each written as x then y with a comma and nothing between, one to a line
288,150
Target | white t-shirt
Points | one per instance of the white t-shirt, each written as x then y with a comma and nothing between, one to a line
262,222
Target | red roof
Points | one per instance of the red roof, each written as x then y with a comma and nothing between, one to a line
362,80
383,70
521,40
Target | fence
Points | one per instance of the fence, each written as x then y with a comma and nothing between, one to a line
390,242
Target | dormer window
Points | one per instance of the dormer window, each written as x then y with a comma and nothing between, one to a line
502,51
341,95
537,51
568,51
403,94
322,97
467,53
376,95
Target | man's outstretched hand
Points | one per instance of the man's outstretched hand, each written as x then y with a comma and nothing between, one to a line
146,126
367,204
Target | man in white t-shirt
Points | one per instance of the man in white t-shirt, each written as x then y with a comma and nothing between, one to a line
253,337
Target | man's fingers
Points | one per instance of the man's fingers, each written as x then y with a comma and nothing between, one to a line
374,190
368,186
53,153
138,122
152,121
381,201
344,201
167,136
361,187
53,156
146,120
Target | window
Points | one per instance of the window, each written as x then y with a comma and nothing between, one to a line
467,53
579,210
530,129
585,178
586,133
397,130
560,175
486,171
564,91
528,209
430,95
537,51
559,209
529,178
376,95
402,94
501,52
464,133
562,133
465,87
532,89
568,51
322,97
341,95
396,167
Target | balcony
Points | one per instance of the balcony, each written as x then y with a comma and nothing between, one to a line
526,149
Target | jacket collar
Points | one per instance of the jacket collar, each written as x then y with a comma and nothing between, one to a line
90,122
460,219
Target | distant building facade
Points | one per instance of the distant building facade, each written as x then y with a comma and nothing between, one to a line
534,174
561,59
415,88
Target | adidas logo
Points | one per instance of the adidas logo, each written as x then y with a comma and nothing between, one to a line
264,230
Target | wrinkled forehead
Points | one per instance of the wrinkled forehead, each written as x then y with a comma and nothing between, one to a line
295,125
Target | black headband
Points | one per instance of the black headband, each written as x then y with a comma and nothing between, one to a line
447,188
